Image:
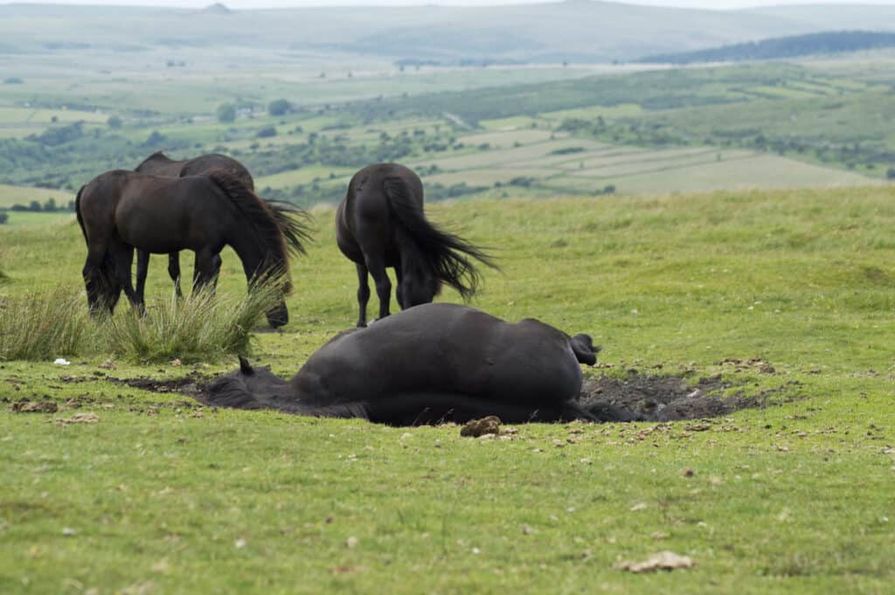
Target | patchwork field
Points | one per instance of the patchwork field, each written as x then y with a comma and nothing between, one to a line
153,492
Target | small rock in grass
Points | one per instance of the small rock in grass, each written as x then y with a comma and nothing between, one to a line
352,542
479,427
662,561
35,407
79,418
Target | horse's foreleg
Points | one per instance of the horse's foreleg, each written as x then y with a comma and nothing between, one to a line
376,267
216,271
142,271
363,295
207,265
174,272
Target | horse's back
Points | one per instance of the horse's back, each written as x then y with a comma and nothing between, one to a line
364,219
215,161
161,214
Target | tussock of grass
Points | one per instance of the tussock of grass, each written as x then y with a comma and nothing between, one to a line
44,325
203,326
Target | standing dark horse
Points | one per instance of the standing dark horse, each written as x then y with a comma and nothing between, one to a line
122,210
380,224
430,364
160,164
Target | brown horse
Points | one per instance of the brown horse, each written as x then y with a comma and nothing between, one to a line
120,211
160,164
380,224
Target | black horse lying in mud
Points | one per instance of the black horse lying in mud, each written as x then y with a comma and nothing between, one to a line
429,364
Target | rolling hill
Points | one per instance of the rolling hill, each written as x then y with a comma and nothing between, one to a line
575,30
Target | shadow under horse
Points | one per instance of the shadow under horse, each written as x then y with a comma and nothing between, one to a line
381,224
121,210
160,164
430,364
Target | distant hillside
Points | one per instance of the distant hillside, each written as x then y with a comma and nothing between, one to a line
575,30
835,42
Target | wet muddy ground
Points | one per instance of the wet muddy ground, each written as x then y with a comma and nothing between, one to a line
636,396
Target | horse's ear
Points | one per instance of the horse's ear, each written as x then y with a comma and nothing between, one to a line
245,367
584,349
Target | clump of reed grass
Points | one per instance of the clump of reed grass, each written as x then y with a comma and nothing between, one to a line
200,327
42,325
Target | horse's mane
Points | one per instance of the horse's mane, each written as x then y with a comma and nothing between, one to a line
263,223
446,255
294,222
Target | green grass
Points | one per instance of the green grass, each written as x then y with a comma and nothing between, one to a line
199,327
796,497
42,326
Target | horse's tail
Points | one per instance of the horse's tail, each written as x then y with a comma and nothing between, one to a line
449,256
78,215
103,289
295,223
262,223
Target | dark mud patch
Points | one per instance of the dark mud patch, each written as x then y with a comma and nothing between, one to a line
635,397
640,397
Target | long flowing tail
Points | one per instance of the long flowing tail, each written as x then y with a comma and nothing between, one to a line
103,290
449,256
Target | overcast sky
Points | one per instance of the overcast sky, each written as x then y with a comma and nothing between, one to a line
245,4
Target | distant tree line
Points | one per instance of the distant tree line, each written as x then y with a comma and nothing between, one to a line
834,42
48,206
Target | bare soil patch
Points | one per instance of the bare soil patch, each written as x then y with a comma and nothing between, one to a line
641,397
635,397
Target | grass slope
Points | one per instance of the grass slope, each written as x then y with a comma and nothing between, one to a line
161,495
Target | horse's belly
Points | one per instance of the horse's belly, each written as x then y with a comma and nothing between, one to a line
152,230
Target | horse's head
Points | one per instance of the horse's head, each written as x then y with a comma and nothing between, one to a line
584,349
417,287
278,315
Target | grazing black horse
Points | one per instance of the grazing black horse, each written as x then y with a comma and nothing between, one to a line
429,364
160,164
122,210
380,224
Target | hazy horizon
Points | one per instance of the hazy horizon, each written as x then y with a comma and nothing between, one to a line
266,4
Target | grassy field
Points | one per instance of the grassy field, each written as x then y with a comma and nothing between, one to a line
162,495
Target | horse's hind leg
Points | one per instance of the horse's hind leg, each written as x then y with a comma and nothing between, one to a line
376,267
398,278
123,259
363,295
95,281
142,271
174,272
